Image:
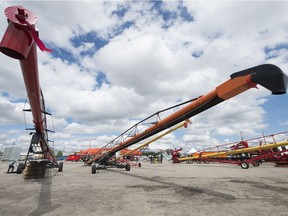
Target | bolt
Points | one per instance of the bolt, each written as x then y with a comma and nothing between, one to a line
21,11
21,15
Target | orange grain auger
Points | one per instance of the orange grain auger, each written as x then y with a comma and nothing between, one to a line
20,42
267,75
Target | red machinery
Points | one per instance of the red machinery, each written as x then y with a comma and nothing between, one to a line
269,76
242,155
19,42
175,155
241,144
75,158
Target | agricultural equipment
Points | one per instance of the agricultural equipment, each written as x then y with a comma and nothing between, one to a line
269,76
20,42
120,160
74,157
241,154
175,155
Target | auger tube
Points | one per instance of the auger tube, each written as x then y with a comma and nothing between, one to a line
269,76
20,42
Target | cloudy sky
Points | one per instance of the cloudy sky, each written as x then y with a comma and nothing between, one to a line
115,63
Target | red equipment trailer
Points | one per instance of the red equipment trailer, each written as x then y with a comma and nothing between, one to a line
20,42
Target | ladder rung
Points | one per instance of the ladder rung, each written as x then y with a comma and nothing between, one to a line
46,113
30,128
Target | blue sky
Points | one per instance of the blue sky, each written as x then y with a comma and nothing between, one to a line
117,62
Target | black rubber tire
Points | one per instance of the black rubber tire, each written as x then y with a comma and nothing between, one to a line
198,161
139,164
20,168
127,167
206,162
60,169
94,169
244,165
256,163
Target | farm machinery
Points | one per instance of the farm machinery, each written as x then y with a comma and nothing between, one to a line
20,42
121,159
269,76
176,155
244,153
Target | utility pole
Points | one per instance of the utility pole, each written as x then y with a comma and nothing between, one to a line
241,135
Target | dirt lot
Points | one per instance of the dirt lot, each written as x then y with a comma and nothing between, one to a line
153,189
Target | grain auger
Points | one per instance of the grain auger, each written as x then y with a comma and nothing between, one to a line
269,76
20,42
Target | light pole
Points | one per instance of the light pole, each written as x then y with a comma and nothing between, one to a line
90,141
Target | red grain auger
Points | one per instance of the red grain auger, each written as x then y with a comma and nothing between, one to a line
20,42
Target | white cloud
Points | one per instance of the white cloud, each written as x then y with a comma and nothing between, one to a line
149,67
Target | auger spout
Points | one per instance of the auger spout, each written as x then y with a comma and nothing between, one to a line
269,76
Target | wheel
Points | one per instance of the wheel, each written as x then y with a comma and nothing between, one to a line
127,167
244,165
20,168
198,161
94,168
206,162
256,163
60,169
139,164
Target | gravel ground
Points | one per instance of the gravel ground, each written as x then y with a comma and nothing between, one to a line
154,189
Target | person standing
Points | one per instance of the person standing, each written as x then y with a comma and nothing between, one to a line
160,158
150,158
